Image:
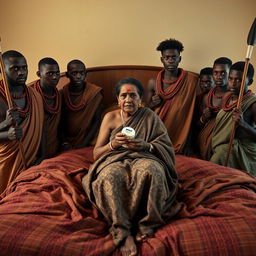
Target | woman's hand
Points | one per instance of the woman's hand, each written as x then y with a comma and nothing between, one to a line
138,145
119,140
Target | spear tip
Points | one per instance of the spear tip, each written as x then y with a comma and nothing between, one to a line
251,39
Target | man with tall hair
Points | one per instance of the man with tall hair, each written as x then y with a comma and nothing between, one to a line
212,102
23,124
82,107
49,74
243,154
173,96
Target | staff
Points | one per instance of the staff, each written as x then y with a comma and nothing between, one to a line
10,103
251,41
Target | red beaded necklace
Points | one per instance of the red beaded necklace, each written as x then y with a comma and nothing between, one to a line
169,82
18,96
50,97
22,112
55,109
210,97
226,106
171,91
76,93
26,111
69,102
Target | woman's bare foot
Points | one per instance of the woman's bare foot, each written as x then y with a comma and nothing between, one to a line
129,247
142,237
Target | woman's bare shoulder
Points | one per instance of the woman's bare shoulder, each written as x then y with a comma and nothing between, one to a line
110,120
112,115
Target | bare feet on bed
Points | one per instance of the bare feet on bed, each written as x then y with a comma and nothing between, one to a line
142,237
129,247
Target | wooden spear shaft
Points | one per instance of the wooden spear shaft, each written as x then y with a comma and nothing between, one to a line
10,104
251,41
6,88
239,101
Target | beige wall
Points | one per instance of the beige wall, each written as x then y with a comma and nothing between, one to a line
116,32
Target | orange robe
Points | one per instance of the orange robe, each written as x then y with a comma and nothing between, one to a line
10,155
52,117
78,117
177,107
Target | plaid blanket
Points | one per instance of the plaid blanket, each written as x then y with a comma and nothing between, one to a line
46,212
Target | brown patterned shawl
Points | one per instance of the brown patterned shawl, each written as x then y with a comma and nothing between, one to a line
150,128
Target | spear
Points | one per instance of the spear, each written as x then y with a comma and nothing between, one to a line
251,41
10,104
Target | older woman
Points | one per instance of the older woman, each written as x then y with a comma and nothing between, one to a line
133,182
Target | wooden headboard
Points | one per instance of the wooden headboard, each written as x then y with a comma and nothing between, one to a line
107,76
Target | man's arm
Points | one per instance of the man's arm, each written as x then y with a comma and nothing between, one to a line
12,134
246,121
152,100
7,131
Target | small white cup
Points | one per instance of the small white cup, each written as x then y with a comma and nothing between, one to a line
129,132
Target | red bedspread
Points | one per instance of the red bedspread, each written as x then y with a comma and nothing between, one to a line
45,212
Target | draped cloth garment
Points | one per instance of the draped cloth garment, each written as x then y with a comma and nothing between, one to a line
51,127
10,155
243,154
177,107
77,123
135,189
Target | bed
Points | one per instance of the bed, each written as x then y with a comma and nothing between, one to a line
46,212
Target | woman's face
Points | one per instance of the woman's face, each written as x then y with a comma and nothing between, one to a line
128,99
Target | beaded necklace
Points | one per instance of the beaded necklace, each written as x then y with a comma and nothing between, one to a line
76,93
169,82
122,117
69,103
56,106
210,97
25,111
226,106
22,112
171,91
50,97
18,96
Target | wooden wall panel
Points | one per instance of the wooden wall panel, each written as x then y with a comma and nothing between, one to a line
107,76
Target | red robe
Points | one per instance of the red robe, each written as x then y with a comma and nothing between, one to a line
177,107
78,115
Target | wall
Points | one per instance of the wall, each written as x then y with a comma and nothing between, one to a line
116,32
